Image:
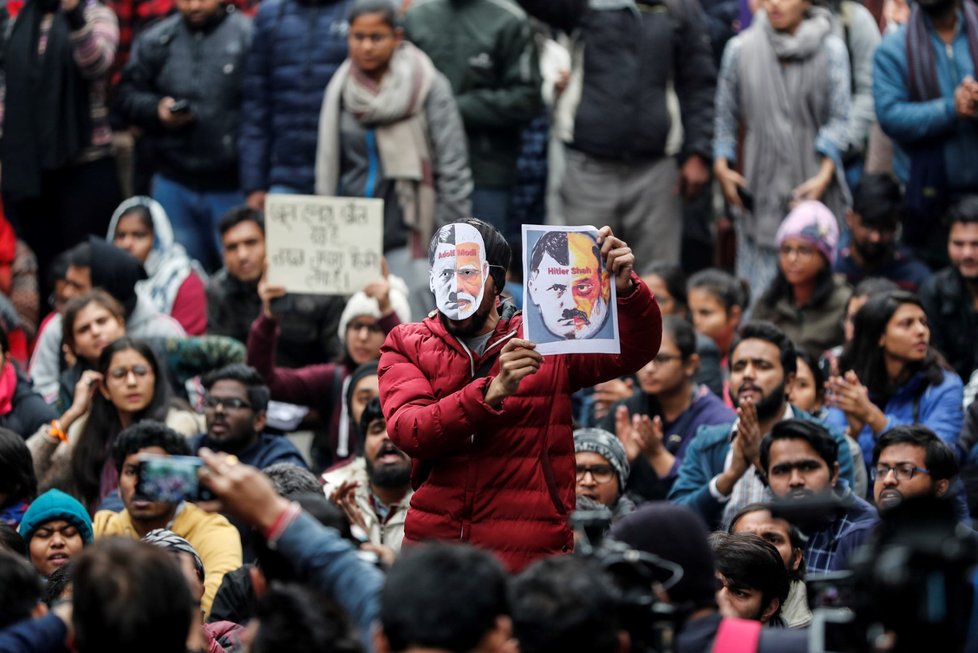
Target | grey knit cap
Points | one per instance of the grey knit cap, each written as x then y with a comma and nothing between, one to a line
604,444
167,539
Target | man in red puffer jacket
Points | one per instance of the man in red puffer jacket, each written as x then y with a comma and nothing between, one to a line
485,418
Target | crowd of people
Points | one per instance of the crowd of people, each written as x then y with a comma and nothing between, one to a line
783,198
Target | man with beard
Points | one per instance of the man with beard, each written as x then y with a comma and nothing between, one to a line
950,297
234,410
566,285
910,461
800,460
873,251
720,474
374,491
927,102
486,418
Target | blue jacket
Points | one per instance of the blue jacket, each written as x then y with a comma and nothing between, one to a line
330,565
705,458
907,122
44,635
269,450
938,408
296,48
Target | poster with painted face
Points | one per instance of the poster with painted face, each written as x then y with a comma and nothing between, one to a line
458,271
570,304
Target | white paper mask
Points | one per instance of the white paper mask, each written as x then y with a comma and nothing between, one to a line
458,271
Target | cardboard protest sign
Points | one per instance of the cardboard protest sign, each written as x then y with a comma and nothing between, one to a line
569,300
323,245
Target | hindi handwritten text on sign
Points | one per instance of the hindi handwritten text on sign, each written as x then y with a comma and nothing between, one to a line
323,245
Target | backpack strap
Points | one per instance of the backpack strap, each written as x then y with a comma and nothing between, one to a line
737,636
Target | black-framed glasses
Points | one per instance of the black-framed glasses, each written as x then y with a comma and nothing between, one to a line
371,327
229,403
803,252
600,473
122,372
903,471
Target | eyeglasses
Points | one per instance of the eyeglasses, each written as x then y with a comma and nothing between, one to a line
371,327
801,252
229,403
600,473
903,471
122,372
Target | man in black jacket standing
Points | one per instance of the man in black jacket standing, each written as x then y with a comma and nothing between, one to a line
182,86
624,130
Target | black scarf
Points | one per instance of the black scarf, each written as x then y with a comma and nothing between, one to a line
47,117
926,195
921,64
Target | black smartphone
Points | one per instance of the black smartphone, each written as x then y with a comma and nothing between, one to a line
180,106
746,197
170,478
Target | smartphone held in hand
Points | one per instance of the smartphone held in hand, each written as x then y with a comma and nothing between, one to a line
170,478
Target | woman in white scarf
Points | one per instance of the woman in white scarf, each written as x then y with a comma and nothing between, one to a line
390,128
176,282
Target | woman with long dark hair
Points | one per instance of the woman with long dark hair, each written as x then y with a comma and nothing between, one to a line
95,319
892,375
805,300
128,385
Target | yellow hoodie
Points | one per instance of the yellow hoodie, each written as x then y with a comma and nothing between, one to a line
217,542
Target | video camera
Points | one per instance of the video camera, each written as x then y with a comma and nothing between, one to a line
912,586
639,576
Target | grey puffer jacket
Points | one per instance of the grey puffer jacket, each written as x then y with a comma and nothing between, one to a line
205,67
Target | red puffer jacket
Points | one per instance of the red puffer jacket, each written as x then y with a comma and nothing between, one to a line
499,479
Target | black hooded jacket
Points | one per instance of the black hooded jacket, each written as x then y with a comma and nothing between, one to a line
116,271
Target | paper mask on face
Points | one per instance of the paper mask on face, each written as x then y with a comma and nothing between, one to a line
458,271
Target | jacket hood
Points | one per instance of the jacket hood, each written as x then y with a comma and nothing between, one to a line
115,271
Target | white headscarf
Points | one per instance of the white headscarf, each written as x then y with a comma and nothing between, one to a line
168,264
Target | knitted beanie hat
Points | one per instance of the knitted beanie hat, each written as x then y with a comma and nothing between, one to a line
54,505
607,445
677,534
360,304
170,541
812,221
